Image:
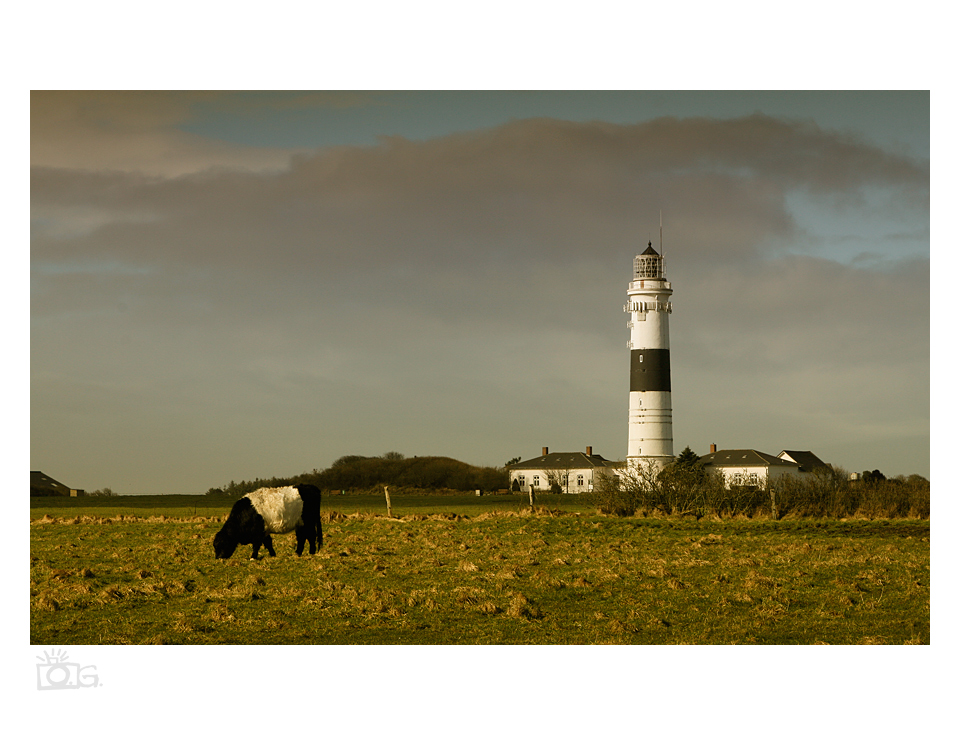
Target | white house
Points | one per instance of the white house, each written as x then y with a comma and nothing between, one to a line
750,467
572,472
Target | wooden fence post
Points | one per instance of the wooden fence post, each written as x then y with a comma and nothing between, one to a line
532,496
386,494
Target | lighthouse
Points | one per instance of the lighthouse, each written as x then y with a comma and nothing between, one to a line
648,308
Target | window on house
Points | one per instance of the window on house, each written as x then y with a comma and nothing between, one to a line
536,480
579,480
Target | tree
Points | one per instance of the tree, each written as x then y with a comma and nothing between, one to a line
873,477
628,488
685,471
557,479
687,459
347,459
515,460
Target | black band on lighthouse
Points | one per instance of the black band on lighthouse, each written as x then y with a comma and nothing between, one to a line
650,370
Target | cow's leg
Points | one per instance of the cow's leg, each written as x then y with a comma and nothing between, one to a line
307,533
268,545
256,550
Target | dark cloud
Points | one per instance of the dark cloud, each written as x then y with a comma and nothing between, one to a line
134,131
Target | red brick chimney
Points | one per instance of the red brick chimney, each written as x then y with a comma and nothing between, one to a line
546,451
589,451
713,448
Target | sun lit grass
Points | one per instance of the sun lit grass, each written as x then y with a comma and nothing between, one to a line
500,577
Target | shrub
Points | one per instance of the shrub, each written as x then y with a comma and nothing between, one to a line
353,472
823,493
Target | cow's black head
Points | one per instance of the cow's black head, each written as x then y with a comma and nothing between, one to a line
223,544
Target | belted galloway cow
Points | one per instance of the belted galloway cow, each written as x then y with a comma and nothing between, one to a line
272,510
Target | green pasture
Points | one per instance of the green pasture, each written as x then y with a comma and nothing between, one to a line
185,506
473,570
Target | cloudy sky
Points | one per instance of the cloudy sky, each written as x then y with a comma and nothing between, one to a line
236,285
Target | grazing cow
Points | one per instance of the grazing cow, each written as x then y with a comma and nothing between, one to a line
272,510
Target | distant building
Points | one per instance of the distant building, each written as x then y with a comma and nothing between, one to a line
808,461
572,472
44,485
748,467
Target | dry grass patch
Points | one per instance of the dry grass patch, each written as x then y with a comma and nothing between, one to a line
753,579
520,606
583,579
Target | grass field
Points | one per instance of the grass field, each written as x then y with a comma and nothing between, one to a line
467,569
182,506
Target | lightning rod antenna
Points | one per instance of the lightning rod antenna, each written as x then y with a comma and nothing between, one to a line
661,233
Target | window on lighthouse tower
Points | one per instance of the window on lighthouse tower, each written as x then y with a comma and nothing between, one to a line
648,264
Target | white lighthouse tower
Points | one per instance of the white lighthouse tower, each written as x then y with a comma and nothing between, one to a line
648,309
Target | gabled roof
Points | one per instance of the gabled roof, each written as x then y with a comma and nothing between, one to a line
808,461
41,484
561,461
743,458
